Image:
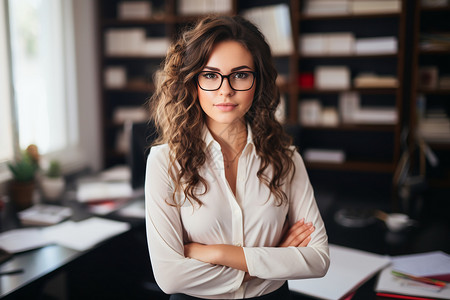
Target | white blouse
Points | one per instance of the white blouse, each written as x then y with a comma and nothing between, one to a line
250,220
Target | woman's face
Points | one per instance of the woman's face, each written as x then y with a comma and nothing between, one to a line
225,106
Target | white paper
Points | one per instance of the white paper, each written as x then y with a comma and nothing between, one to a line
85,234
388,283
349,268
423,264
95,191
23,239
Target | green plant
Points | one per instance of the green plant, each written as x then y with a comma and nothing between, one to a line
54,170
24,168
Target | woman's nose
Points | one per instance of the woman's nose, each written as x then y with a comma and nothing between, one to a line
226,89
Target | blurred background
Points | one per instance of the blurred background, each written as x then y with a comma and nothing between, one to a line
365,89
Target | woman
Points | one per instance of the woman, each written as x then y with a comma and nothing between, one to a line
230,210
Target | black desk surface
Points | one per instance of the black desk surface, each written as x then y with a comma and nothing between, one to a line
128,255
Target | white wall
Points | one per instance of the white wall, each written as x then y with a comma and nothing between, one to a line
86,45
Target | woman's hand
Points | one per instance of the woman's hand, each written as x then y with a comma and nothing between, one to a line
299,235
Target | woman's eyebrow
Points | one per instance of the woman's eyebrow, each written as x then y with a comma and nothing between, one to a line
232,70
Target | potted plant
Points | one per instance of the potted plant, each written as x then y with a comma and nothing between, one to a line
22,186
53,183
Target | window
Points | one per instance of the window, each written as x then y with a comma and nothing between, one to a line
42,77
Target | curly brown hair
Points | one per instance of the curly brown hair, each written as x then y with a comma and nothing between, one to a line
179,118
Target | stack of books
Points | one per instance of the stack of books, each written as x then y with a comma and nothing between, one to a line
204,7
435,126
375,6
324,155
133,41
332,77
376,45
371,80
326,7
345,7
129,10
275,23
352,112
416,276
338,43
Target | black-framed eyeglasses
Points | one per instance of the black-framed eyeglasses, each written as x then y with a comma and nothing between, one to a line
238,81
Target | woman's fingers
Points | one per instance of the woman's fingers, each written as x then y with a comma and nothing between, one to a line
298,235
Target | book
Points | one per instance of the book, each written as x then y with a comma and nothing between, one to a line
338,43
375,6
326,7
392,286
375,115
376,45
343,278
368,80
324,155
203,7
44,214
127,10
332,77
274,21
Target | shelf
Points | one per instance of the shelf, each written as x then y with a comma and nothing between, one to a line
434,52
361,166
359,90
166,19
439,146
435,9
132,56
304,17
352,127
348,56
434,91
134,88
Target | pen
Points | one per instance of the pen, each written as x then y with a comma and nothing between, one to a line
419,279
12,272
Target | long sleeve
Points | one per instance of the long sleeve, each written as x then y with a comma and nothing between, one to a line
173,271
294,262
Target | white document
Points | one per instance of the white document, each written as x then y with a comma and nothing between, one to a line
388,283
423,264
23,239
349,268
85,234
103,190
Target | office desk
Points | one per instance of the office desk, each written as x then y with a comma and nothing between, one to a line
119,265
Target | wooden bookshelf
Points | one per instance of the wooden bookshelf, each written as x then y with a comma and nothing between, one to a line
430,20
388,24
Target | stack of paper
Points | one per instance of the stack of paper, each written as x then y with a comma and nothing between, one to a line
375,6
324,155
44,214
349,268
134,10
332,77
326,7
375,81
430,265
376,45
341,43
203,7
275,23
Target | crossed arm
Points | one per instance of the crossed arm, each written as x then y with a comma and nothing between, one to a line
299,235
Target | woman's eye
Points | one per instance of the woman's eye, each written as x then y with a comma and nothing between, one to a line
210,75
240,75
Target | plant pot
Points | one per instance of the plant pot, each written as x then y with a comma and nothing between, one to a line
52,188
21,193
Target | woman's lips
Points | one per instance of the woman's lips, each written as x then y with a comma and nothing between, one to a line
226,106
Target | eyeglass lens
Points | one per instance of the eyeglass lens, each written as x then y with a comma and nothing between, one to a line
239,81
